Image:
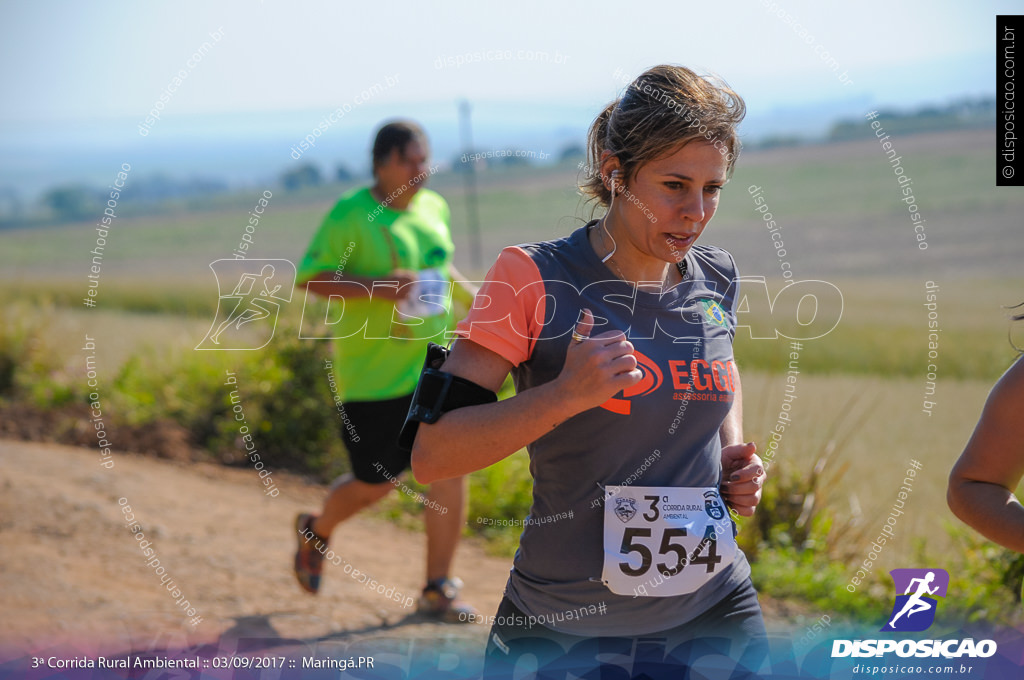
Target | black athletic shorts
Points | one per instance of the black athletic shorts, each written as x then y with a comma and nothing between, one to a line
733,627
370,432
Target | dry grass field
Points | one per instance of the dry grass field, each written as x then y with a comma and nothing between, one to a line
860,389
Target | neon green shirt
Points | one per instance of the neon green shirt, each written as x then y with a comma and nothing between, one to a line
383,353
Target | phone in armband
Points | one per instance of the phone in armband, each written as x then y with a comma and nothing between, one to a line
438,392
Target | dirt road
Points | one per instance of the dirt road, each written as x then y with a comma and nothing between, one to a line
74,576
75,582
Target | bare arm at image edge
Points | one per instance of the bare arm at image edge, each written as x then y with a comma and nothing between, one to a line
982,482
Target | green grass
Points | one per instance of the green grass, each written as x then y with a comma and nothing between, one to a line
838,204
873,423
865,185
826,192
860,434
860,387
882,330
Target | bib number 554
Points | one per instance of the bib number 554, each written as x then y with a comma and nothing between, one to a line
630,544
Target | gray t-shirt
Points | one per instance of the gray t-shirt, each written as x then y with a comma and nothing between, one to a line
662,432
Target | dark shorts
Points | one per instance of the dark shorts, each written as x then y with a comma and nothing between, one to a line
370,432
733,627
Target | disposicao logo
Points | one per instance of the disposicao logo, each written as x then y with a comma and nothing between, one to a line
914,611
260,289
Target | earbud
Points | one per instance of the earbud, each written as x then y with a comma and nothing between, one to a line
604,220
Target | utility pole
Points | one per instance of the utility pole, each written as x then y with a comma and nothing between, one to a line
469,172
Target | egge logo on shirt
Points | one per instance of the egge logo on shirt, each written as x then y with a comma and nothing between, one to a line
697,380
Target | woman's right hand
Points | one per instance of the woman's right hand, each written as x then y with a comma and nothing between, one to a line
596,368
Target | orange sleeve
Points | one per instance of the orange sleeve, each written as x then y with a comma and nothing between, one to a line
508,313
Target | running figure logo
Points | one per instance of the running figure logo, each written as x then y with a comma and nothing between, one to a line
914,610
256,299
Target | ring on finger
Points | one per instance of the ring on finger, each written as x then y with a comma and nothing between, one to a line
578,337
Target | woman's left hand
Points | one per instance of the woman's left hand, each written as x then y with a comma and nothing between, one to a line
743,477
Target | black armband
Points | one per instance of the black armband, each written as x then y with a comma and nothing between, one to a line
438,392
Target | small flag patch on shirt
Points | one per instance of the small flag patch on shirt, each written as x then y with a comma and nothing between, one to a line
714,313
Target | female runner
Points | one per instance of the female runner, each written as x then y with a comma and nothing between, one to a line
628,401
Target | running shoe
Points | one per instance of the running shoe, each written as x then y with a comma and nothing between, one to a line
309,561
440,600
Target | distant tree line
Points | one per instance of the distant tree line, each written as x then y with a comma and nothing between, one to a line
70,202
78,201
959,115
962,114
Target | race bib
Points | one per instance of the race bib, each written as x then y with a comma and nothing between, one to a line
429,296
661,541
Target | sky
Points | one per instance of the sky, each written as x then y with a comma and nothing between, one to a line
113,58
81,76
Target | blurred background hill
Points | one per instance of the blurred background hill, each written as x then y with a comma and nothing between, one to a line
231,130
